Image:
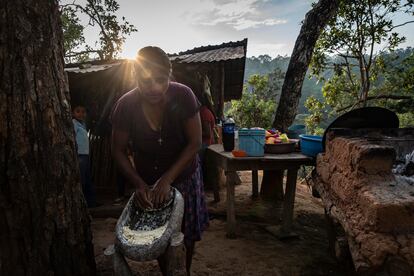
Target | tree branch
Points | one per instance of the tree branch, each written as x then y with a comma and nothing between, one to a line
94,16
74,54
348,71
80,8
372,31
99,21
387,97
347,56
399,25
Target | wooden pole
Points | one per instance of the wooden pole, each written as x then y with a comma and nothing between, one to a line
231,211
222,87
289,202
255,184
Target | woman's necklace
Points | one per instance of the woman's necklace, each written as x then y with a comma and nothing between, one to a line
157,126
160,131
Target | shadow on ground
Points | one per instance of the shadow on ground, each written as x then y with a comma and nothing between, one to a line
255,251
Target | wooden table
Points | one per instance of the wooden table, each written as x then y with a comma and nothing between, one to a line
290,162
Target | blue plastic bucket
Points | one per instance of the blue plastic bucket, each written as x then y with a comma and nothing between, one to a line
311,145
295,130
252,141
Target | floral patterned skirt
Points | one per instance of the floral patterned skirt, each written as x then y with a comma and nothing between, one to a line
195,219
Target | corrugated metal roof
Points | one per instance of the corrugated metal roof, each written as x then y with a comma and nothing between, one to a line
211,53
225,51
92,68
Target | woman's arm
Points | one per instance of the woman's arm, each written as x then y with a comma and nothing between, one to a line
192,127
119,145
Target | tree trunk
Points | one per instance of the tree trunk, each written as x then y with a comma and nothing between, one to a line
315,21
44,225
272,185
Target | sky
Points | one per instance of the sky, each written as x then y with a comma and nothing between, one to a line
271,26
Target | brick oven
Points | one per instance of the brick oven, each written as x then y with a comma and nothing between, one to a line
367,188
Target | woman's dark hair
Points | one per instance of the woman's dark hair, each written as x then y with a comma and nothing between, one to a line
154,57
76,105
208,104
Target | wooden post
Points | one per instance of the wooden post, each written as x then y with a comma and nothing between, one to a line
213,175
216,188
255,184
289,201
221,98
231,212
237,179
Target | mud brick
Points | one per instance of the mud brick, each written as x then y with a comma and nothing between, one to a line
389,208
373,159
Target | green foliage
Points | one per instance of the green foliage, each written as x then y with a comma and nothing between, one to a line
359,27
398,78
338,92
102,15
360,75
264,64
252,110
406,119
275,70
72,30
268,86
259,85
314,120
394,89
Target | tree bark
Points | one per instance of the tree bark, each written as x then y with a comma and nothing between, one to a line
314,23
44,225
272,185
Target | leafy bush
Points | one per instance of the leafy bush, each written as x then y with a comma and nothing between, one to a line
250,111
257,106
406,119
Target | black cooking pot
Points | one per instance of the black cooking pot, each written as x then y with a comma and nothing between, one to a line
365,117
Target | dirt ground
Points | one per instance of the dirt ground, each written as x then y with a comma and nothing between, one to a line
256,251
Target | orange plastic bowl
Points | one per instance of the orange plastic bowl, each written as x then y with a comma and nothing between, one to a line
239,153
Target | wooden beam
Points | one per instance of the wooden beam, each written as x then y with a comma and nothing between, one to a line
289,202
255,184
231,211
222,84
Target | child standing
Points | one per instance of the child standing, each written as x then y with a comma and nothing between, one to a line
82,143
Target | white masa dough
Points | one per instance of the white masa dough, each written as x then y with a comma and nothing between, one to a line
143,237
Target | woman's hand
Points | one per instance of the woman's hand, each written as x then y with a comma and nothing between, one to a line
143,196
161,191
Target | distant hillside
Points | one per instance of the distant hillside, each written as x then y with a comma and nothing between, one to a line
264,64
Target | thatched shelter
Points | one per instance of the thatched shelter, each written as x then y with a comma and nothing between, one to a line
218,69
